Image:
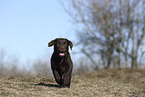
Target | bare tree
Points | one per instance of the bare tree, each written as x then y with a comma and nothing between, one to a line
112,29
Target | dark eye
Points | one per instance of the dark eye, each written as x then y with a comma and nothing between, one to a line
58,43
65,43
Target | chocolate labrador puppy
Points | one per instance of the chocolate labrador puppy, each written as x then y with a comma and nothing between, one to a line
61,63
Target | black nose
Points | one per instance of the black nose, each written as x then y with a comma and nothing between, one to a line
61,48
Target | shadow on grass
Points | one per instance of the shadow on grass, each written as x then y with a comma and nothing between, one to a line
48,85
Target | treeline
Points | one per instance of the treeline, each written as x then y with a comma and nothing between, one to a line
10,65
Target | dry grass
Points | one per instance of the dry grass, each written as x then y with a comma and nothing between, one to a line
109,83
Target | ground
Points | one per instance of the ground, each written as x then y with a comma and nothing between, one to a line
108,83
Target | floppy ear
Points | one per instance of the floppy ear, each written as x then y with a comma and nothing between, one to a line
51,43
70,44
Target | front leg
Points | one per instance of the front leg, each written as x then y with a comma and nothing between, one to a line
57,77
67,80
67,75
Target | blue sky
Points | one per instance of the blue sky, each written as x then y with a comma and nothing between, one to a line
26,26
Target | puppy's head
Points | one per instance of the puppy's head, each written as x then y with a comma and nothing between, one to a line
60,46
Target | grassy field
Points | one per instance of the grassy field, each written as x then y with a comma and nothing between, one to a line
109,83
